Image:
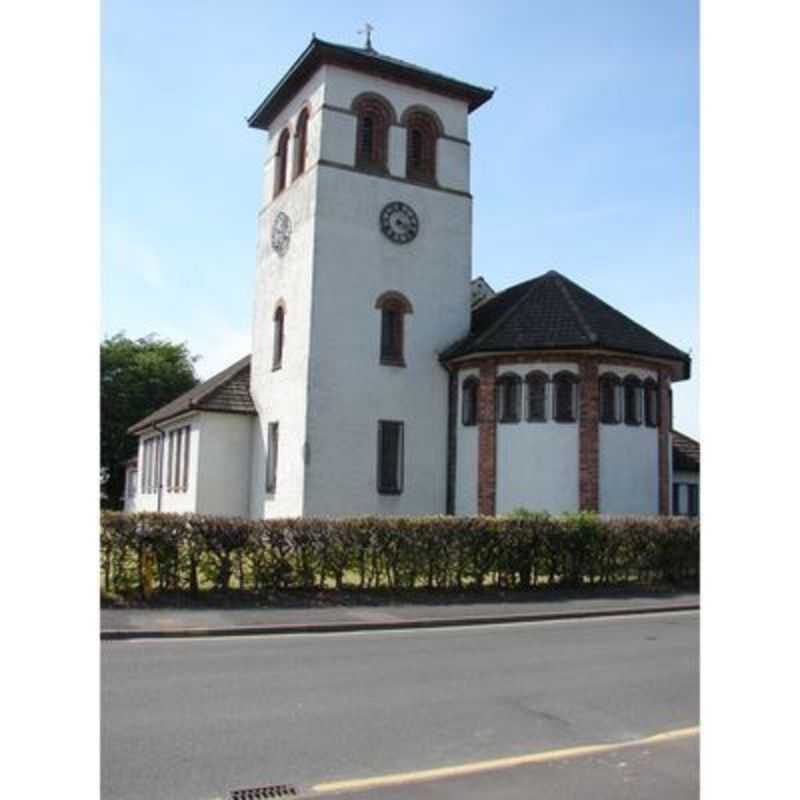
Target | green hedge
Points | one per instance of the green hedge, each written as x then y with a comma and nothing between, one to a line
148,552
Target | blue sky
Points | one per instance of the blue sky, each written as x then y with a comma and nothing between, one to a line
585,161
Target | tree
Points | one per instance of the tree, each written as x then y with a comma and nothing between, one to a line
137,377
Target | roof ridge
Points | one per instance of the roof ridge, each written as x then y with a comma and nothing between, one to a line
561,283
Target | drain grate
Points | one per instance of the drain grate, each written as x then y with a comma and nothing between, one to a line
263,792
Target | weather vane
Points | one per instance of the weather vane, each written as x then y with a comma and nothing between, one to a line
368,31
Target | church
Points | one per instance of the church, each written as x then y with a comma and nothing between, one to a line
383,378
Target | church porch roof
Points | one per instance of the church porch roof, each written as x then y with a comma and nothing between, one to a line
552,312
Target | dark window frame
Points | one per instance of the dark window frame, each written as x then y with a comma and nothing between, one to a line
633,393
282,162
422,135
300,143
650,399
470,387
374,116
388,483
693,504
508,402
609,391
560,380
392,343
278,335
536,380
271,477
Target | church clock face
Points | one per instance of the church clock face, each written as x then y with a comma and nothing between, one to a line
399,222
281,233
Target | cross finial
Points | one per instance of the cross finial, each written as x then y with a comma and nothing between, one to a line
368,31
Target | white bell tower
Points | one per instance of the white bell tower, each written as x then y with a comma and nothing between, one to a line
363,278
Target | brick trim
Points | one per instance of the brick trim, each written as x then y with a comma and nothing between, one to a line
664,414
589,436
487,439
573,356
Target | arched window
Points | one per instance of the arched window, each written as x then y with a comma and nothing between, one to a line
651,403
509,391
565,397
633,400
281,158
609,404
277,337
469,401
374,116
300,142
422,131
393,307
537,388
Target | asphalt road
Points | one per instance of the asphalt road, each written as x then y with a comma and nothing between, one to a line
194,718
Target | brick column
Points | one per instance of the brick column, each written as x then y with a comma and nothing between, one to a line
487,440
664,419
589,438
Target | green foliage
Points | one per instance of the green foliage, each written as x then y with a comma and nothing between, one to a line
191,551
137,376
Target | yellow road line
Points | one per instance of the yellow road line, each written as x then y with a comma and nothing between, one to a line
499,763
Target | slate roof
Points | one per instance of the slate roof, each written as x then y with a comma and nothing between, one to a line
685,452
227,391
553,313
320,52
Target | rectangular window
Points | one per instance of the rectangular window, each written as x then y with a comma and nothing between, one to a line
272,457
676,498
187,431
390,457
694,499
170,457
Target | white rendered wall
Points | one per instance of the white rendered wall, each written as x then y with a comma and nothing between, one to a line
280,395
354,263
537,462
466,490
628,459
223,485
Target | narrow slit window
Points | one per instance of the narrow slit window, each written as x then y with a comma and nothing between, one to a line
537,389
277,337
272,457
469,402
390,457
565,397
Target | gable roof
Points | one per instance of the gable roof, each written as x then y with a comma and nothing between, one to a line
360,59
227,391
685,452
553,313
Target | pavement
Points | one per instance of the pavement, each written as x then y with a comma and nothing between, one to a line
136,623
192,719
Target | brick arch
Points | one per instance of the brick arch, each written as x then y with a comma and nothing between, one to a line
423,129
395,299
374,115
422,110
